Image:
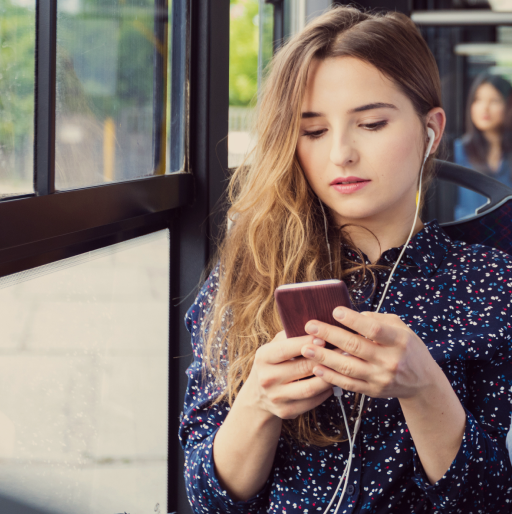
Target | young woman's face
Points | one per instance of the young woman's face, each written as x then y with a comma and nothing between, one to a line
488,108
361,142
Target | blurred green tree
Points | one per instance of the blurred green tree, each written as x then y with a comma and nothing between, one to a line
17,48
134,83
243,51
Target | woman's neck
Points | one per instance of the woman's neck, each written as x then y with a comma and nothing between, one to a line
389,235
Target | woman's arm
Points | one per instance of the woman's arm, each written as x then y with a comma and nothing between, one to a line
200,422
436,420
480,477
392,361
229,452
245,447
213,435
462,467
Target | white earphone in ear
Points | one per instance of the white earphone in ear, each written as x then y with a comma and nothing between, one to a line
431,138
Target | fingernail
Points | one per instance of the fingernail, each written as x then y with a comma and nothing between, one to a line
339,313
311,328
318,372
309,353
318,342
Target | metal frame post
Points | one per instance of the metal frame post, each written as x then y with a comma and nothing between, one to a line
45,86
199,226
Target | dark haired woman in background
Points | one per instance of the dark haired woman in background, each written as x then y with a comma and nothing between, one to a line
487,144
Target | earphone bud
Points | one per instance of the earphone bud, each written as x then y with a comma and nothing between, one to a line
431,139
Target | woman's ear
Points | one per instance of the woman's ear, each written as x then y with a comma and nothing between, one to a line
436,120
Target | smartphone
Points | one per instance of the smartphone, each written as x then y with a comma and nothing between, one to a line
299,303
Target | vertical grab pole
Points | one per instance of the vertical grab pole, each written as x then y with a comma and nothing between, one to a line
45,86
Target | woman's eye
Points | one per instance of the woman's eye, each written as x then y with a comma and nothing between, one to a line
375,126
315,134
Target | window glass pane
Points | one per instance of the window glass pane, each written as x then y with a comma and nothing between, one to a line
17,50
84,369
111,63
243,77
250,51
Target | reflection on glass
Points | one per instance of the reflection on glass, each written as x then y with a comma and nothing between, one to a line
84,372
106,75
487,143
17,44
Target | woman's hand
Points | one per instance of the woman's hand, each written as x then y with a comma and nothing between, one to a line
273,384
388,360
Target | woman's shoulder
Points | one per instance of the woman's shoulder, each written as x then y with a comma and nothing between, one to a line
480,258
459,142
479,280
462,141
203,302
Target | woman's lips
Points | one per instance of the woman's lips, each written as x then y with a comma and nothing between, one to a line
350,188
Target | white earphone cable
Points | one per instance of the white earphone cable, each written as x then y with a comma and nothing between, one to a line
326,233
337,390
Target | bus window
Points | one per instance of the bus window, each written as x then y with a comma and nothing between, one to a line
89,333
107,119
243,77
85,360
17,48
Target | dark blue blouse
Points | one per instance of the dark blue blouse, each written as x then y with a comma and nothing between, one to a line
457,298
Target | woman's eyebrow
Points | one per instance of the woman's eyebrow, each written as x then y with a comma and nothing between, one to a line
305,115
369,107
361,108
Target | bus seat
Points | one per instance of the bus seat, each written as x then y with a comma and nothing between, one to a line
492,223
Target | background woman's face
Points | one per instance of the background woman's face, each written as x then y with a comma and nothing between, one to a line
358,127
488,108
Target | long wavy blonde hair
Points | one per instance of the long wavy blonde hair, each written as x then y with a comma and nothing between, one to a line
278,235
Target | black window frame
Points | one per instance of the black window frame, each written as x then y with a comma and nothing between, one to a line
50,225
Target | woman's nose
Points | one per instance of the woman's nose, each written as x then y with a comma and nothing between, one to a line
343,152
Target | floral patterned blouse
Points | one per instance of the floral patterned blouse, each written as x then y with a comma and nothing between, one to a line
458,299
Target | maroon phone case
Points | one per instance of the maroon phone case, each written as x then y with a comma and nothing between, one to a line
298,306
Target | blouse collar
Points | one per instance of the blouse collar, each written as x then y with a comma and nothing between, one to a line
427,249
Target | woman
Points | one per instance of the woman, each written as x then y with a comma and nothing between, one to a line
487,144
343,125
